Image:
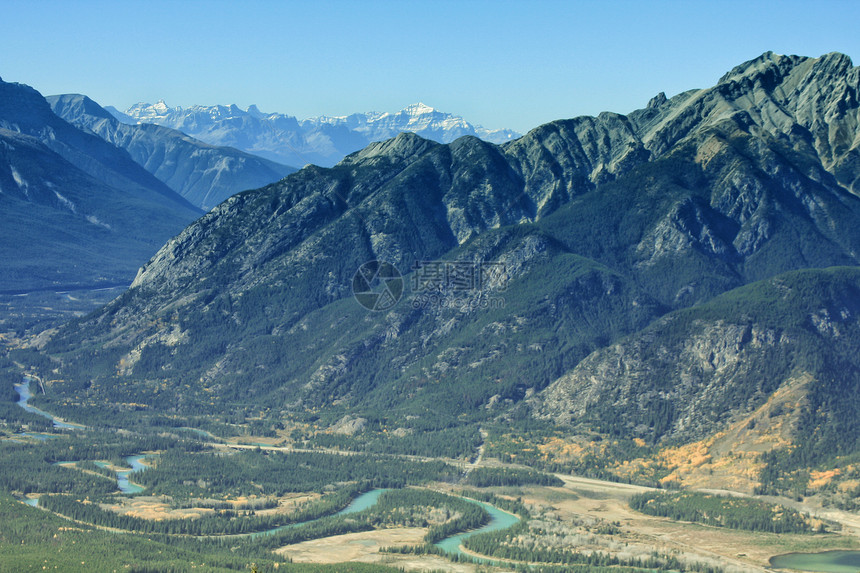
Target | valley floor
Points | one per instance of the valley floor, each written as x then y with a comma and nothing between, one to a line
584,516
583,499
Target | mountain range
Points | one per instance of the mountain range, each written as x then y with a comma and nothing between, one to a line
203,174
655,277
321,140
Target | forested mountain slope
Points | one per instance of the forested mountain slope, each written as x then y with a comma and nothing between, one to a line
601,244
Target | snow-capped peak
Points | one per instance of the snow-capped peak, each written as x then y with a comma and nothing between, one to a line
418,109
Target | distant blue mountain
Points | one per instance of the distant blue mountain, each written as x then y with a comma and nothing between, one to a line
202,173
322,140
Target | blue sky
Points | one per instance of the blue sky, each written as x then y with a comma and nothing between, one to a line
499,63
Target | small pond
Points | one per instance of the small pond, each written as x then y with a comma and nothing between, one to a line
825,561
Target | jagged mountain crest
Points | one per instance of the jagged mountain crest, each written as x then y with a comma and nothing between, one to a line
417,118
560,161
781,95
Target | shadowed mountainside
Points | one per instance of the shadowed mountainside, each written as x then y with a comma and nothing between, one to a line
76,211
203,174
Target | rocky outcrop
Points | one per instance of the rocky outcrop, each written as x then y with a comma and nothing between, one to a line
691,372
349,426
691,383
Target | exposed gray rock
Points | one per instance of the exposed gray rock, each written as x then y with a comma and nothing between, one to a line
694,375
349,426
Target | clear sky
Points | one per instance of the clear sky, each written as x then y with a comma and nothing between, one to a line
497,63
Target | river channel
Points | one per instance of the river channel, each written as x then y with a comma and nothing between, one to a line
122,481
24,396
498,519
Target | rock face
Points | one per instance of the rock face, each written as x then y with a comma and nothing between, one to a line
76,211
203,174
650,382
780,96
349,426
319,140
598,226
693,371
